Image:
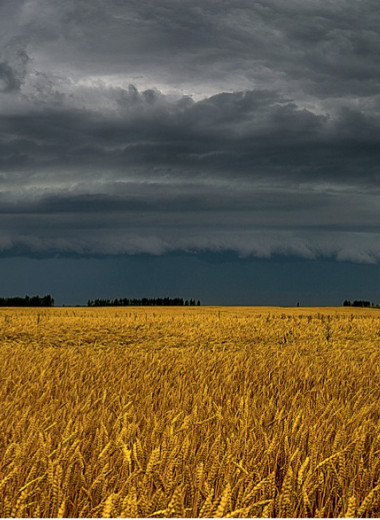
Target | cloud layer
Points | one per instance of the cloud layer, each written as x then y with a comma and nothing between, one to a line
153,127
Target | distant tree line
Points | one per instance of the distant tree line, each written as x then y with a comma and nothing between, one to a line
27,301
359,303
122,302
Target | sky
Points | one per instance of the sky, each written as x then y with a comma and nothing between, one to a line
226,151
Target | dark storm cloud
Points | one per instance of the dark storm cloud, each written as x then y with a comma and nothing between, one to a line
131,127
315,47
245,135
8,80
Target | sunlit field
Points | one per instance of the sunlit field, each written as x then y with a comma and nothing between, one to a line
190,412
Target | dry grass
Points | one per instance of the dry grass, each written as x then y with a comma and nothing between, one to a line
213,412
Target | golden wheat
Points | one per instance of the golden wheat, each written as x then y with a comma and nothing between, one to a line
209,412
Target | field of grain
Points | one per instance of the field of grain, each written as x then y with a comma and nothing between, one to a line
196,412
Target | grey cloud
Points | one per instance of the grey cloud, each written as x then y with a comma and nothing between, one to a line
246,126
312,48
155,218
8,80
13,70
358,248
251,135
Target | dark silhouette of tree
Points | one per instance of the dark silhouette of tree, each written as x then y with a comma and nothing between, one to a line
359,303
27,301
141,302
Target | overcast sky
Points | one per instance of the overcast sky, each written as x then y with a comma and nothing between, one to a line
180,130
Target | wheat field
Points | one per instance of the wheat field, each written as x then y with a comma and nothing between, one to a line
190,412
